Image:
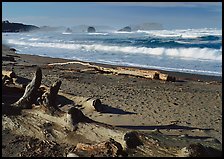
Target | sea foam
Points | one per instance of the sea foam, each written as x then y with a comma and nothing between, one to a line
184,53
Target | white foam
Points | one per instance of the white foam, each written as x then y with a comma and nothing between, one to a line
34,39
184,53
98,33
66,33
122,32
186,33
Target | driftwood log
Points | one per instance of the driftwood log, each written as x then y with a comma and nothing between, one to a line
109,148
30,95
87,103
150,74
48,99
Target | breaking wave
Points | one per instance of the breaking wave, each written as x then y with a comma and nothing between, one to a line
183,53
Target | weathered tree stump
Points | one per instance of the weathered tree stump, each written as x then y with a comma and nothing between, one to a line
30,95
49,99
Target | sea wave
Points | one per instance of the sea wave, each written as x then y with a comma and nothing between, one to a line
183,53
122,32
34,39
185,33
98,33
66,33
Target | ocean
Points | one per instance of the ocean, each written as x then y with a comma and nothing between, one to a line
197,51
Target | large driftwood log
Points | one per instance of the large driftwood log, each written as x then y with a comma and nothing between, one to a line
151,74
88,103
30,95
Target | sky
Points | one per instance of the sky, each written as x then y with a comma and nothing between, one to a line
172,15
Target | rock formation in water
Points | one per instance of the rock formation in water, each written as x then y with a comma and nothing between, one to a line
91,30
127,29
17,27
68,30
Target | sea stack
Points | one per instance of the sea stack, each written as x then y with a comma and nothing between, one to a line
91,30
127,29
68,30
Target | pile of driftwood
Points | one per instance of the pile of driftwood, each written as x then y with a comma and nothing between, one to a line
43,108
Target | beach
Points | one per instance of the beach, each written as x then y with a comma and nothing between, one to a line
193,102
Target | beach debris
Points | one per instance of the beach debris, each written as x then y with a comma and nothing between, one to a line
109,148
10,74
74,116
42,148
6,80
150,74
132,139
48,99
30,95
87,103
93,104
166,77
7,77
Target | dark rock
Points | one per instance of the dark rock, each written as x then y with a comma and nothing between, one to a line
132,139
12,49
127,29
68,30
17,27
91,30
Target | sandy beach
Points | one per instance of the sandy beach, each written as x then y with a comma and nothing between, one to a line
192,102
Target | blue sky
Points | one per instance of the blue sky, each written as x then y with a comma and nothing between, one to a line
172,15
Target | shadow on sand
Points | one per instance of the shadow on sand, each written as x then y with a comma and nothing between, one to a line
161,127
111,110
